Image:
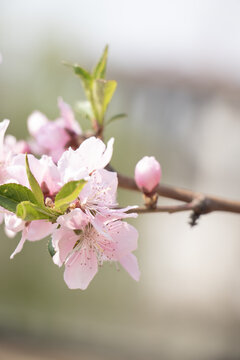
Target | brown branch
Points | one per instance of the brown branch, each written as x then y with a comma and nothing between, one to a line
170,209
197,202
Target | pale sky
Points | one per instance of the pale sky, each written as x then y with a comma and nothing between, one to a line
186,35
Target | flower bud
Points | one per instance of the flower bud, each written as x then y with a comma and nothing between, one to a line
147,174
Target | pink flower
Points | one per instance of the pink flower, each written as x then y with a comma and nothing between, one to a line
52,137
98,197
82,248
147,174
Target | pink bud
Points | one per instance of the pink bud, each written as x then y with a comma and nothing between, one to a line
147,173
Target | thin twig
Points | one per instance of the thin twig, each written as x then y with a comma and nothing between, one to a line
169,209
197,202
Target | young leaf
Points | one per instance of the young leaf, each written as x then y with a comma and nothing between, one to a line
102,92
51,249
29,212
83,74
100,69
36,189
68,193
116,117
13,194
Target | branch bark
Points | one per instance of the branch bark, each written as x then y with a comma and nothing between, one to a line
197,202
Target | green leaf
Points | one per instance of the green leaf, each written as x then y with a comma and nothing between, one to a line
51,249
100,69
68,193
102,93
29,212
36,189
82,73
13,194
116,117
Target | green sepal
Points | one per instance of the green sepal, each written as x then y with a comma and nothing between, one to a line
28,211
36,189
68,193
12,194
51,249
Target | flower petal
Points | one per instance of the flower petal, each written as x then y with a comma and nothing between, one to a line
63,241
91,155
76,219
71,166
124,237
67,115
20,244
35,121
95,153
81,269
130,264
39,229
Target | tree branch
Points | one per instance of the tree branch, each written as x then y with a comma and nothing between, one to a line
199,203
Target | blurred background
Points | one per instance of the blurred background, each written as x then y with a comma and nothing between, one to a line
177,64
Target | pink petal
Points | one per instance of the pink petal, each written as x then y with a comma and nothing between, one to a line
52,136
44,170
130,264
13,223
101,188
39,229
20,244
121,240
9,233
57,153
71,166
68,117
35,121
76,219
63,241
91,155
124,237
81,269
49,174
95,154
